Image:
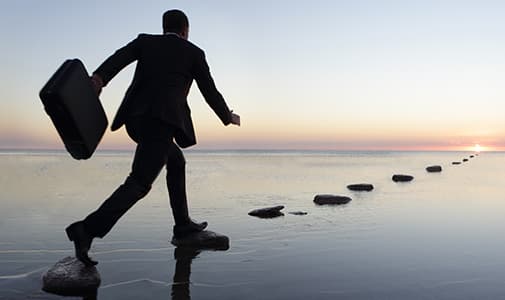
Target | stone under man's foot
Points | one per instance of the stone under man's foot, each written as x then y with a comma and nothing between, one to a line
82,242
183,230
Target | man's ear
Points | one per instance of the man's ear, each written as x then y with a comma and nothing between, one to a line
185,33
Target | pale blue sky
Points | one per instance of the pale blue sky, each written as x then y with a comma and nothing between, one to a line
302,74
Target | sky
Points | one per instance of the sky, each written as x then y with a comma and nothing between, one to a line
320,75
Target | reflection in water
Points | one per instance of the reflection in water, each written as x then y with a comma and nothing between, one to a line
183,257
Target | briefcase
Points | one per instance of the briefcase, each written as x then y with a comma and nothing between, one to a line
74,108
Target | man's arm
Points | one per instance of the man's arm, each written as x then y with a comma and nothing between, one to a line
115,63
212,96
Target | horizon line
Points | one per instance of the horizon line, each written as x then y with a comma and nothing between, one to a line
224,149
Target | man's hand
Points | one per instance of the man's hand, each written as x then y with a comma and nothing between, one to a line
97,84
235,119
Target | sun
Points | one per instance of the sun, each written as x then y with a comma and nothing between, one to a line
477,148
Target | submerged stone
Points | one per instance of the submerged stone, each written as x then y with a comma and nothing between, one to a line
360,187
326,199
433,169
70,277
203,240
402,178
267,212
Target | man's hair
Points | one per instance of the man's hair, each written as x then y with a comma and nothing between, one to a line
174,20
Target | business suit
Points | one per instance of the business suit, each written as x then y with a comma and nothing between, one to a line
155,112
166,67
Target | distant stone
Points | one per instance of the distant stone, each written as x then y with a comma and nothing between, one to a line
70,277
471,156
267,212
203,240
331,199
360,187
456,163
434,169
402,178
465,159
297,213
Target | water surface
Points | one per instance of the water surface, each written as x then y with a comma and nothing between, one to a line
437,237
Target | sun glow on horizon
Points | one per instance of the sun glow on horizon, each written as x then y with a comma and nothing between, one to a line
480,148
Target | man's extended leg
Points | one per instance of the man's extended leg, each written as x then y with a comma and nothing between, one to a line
150,157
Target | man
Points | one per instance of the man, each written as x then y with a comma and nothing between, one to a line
155,112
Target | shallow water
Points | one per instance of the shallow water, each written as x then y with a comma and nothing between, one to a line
437,237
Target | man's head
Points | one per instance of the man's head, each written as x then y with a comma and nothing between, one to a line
176,21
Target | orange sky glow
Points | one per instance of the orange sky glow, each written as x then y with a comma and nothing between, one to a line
236,138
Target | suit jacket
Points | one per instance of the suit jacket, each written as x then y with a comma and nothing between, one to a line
166,67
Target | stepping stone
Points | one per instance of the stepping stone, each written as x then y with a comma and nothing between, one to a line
471,156
267,212
298,213
434,169
203,240
402,178
70,277
360,187
456,163
326,199
465,159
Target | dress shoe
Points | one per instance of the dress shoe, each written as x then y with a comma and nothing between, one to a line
184,230
82,242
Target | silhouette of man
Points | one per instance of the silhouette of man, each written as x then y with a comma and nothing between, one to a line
155,112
